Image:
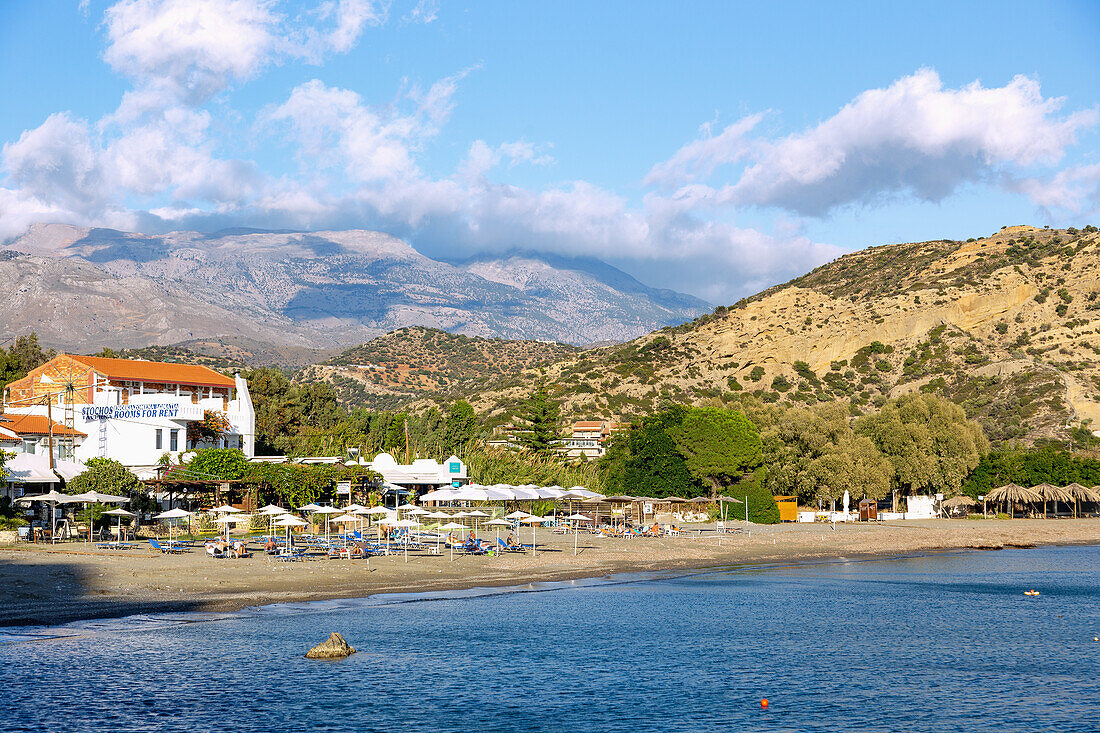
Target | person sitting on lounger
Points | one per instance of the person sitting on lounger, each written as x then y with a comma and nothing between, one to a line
511,541
270,547
357,550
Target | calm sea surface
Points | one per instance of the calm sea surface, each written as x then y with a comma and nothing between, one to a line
939,643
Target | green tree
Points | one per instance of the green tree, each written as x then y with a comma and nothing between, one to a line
460,427
538,420
761,504
227,464
930,442
645,459
106,476
21,357
718,445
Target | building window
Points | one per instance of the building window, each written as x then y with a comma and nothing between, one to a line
30,445
160,439
173,440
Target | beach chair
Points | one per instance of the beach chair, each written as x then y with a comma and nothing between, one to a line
165,549
214,552
504,547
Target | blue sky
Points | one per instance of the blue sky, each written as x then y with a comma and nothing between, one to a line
714,148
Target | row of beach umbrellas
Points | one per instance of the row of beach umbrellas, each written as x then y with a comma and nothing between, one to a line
1070,494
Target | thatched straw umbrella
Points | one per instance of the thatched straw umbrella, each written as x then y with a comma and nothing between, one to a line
1050,492
961,501
1080,493
1011,493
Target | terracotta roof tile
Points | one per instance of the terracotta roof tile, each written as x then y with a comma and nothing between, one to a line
35,425
156,371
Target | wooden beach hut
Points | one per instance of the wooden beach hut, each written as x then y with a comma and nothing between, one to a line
1050,492
788,508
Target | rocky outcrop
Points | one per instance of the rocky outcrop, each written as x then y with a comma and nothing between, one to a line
333,648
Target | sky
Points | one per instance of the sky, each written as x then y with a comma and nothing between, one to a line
714,148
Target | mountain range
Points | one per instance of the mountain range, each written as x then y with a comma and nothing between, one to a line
299,292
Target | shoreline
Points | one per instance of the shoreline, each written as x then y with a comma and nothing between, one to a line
50,586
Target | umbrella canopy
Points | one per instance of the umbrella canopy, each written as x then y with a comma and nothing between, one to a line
379,510
97,497
518,515
499,523
960,500
476,513
439,495
532,519
1013,492
407,505
551,492
579,518
699,500
618,499
120,513
225,509
468,493
418,512
452,525
52,496
730,499
173,514
1050,492
406,523
345,518
524,493
327,510
290,521
1082,493
309,508
437,515
29,468
353,507
504,493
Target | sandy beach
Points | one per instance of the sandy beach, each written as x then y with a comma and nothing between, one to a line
41,584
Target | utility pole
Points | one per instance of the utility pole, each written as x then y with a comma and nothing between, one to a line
49,424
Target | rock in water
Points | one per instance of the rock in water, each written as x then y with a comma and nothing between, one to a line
334,648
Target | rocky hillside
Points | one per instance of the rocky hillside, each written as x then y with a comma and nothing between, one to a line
83,288
401,366
1007,325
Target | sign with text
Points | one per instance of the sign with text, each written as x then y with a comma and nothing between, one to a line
131,412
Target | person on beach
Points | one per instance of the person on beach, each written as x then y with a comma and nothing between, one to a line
270,547
511,542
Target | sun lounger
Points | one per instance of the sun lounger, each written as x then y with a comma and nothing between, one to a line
505,547
165,549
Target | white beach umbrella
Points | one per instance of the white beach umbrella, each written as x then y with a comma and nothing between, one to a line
518,515
120,513
534,522
379,510
176,513
406,524
229,519
226,509
550,492
326,510
439,495
353,507
53,498
525,494
288,521
95,497
417,512
271,511
503,493
450,527
577,518
498,523
309,508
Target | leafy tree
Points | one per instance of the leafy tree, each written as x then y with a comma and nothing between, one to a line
21,357
538,420
761,503
1028,467
106,476
460,427
717,444
227,464
930,442
646,460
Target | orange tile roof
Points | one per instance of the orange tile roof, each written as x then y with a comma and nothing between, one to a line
588,425
35,425
156,371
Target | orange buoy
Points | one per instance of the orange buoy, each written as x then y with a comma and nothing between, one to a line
764,704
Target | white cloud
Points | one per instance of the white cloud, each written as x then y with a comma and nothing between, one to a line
1074,191
190,50
425,11
913,137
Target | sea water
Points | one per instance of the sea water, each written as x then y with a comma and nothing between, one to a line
942,642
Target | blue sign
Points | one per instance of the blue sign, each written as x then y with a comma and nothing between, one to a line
456,483
454,467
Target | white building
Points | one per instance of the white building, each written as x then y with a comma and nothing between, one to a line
133,411
423,474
